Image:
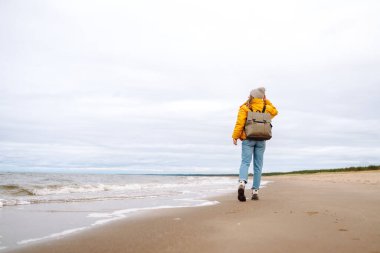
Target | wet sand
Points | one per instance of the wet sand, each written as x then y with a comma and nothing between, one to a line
327,212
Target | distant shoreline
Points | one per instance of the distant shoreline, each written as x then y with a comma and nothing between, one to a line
347,169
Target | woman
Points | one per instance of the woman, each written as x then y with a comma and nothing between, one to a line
255,102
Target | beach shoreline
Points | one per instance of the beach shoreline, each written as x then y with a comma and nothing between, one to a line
328,212
41,207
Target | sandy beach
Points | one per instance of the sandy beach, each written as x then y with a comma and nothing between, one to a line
327,212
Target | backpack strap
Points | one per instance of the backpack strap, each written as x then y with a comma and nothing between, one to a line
265,107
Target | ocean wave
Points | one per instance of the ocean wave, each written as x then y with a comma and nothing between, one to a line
38,190
58,189
16,202
16,190
24,189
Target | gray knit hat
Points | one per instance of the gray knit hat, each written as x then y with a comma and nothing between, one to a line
258,93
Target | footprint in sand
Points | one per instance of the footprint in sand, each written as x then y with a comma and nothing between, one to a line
343,229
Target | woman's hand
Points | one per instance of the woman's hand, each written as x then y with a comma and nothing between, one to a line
234,141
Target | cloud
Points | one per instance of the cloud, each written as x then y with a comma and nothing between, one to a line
143,86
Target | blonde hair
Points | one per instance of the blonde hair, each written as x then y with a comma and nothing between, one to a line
248,102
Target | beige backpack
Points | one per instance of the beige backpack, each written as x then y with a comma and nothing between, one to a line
258,125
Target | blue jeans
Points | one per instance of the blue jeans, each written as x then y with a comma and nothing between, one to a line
256,149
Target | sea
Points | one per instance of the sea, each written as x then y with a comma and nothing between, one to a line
36,207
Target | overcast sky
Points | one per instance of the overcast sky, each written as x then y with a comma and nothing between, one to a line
155,86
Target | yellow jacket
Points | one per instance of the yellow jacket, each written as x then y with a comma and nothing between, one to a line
257,104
